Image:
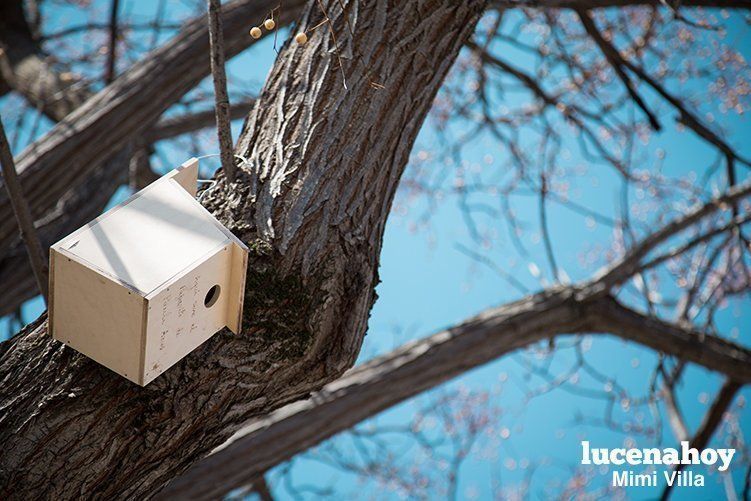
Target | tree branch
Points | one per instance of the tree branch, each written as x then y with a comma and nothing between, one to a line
23,217
221,99
611,54
629,264
377,385
683,342
688,118
710,423
390,379
109,75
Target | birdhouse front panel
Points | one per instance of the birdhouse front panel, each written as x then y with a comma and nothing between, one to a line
147,282
185,313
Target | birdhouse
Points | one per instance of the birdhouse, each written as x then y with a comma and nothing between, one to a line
148,281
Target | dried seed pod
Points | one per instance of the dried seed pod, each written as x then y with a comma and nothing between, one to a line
255,32
269,24
301,38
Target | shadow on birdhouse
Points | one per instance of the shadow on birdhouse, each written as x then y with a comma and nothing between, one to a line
148,281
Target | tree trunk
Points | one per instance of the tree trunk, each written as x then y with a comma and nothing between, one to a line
324,163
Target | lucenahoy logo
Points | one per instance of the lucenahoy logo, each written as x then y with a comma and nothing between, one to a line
687,455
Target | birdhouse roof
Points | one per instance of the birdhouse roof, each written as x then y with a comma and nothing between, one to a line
150,238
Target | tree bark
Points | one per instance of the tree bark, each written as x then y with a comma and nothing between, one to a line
311,204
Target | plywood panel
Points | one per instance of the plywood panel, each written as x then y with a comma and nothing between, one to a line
186,175
150,239
178,320
238,269
97,316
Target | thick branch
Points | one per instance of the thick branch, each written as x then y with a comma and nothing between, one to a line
711,352
375,386
420,365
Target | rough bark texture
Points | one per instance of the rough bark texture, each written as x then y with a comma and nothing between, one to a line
312,203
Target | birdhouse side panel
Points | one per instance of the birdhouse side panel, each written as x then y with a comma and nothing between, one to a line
186,176
238,271
187,311
97,316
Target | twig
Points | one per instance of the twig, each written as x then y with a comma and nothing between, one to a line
544,228
333,38
711,422
112,54
261,488
23,215
221,99
629,264
611,54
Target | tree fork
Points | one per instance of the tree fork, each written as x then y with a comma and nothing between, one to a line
312,205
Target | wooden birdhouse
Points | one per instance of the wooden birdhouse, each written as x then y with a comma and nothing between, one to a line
148,281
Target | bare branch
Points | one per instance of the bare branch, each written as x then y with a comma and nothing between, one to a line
261,488
710,423
23,215
611,54
387,380
221,98
675,417
629,264
684,342
375,386
167,128
109,75
688,118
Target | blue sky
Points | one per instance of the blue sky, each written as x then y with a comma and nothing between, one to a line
428,284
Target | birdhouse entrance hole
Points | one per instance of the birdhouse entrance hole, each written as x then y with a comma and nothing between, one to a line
212,296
